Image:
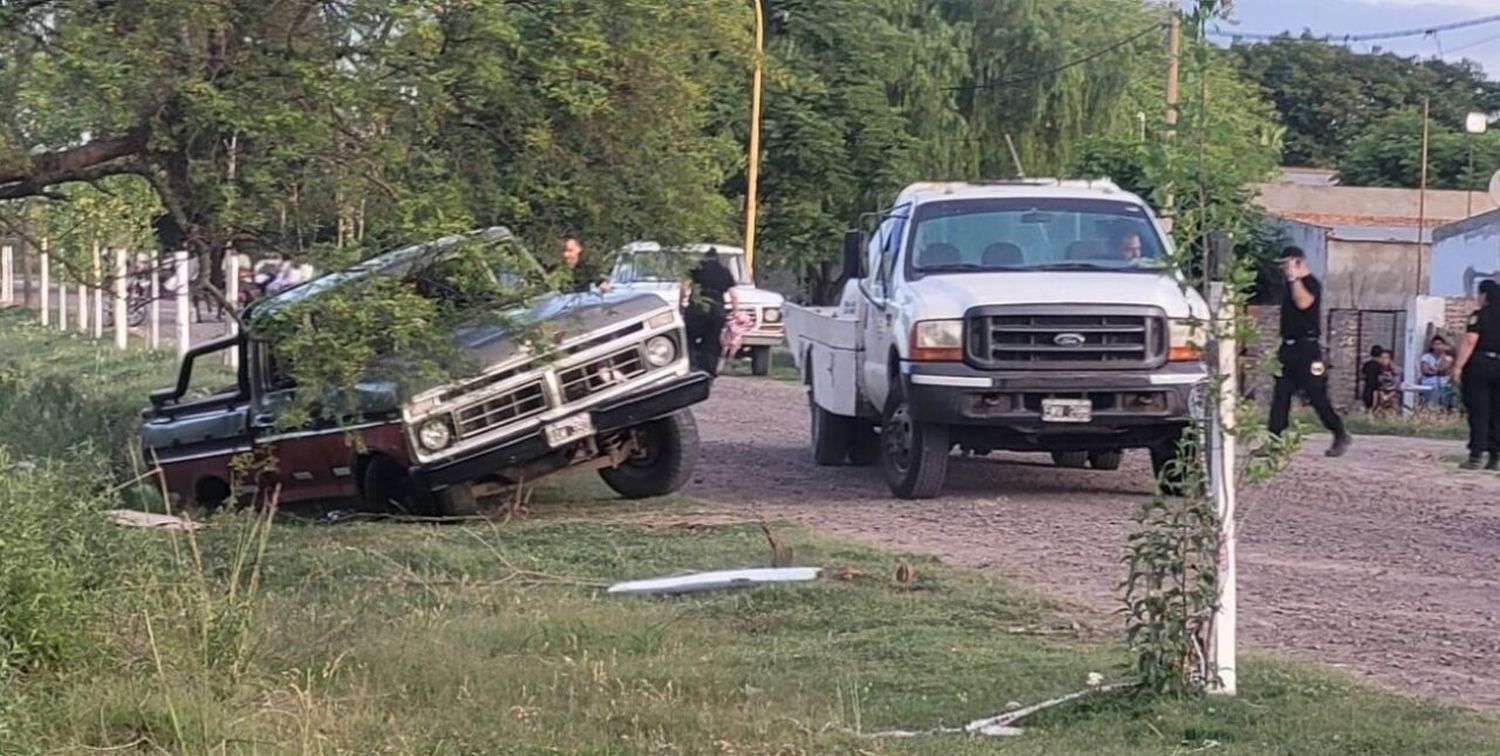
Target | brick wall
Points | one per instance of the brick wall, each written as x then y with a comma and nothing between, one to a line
1457,317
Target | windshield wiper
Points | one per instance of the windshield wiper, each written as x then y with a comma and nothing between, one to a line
954,268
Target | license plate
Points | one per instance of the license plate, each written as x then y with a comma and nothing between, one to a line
1067,410
575,428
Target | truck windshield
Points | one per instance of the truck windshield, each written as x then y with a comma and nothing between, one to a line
977,235
672,265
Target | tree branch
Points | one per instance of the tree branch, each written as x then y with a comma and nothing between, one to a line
86,162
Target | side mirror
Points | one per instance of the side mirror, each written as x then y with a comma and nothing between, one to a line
854,253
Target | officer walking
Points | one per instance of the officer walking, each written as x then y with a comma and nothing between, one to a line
1302,367
1477,371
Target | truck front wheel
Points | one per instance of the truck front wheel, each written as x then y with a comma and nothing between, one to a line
667,451
914,454
1169,462
760,361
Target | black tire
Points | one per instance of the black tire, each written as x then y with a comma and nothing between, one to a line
664,463
457,501
136,315
914,454
832,435
1170,473
864,446
1073,460
1106,460
211,494
760,361
387,487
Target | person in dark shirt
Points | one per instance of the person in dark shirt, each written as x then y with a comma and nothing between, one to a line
1302,367
1369,374
584,273
704,313
1477,372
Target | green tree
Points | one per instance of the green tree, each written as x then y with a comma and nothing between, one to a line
1390,154
1329,95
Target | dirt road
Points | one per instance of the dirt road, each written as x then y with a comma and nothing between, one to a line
1383,563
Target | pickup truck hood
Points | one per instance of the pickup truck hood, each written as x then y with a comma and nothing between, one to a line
951,295
564,317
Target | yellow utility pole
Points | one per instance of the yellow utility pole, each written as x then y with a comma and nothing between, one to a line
1174,55
752,184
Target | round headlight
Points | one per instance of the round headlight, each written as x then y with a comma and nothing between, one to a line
660,351
435,434
773,315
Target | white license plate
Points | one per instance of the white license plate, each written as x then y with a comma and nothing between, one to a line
1067,410
575,428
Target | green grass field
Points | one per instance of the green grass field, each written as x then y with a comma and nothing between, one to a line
498,638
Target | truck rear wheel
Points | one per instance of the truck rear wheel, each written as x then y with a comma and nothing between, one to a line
1106,460
864,445
665,460
1073,460
760,361
832,435
914,454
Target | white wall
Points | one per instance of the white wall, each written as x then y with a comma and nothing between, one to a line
1475,248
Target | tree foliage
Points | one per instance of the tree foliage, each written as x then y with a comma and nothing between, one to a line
1329,95
1390,154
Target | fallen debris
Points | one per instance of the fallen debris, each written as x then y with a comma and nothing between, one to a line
131,518
711,581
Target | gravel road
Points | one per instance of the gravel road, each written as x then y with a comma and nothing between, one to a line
1383,563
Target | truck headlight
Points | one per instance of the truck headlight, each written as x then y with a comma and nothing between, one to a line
773,315
1185,340
435,434
937,341
660,351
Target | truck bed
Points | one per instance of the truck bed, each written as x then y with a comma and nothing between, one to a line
830,341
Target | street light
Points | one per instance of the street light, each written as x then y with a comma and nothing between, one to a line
753,162
1474,125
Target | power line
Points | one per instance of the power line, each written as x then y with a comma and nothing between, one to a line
1419,32
1065,66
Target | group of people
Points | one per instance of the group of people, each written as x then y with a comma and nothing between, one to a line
1475,369
708,297
1381,381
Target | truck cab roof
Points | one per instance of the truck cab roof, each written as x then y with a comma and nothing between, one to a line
929,191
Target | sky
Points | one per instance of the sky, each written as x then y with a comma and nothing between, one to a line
1339,17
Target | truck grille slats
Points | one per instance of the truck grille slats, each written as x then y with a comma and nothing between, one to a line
597,375
1114,339
516,404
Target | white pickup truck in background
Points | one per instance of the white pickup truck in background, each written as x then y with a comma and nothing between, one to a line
646,266
1035,315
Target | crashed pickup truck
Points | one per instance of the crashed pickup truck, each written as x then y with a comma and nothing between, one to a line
611,393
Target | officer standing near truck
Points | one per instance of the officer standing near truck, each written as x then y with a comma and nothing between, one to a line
1477,372
1303,370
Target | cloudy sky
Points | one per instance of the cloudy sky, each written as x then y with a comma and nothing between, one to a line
1480,43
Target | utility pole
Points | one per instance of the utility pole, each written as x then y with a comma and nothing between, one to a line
1422,193
752,168
1174,57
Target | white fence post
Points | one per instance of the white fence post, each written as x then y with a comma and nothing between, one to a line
46,258
7,279
184,323
122,298
1222,469
155,299
83,306
232,289
98,292
62,303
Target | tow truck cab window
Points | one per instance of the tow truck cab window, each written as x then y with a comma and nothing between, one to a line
886,244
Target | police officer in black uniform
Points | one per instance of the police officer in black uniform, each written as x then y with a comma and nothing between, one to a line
1477,372
1302,367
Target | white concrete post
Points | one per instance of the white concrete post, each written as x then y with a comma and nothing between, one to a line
98,292
155,299
1222,468
232,293
7,279
184,323
46,258
83,306
62,304
122,297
